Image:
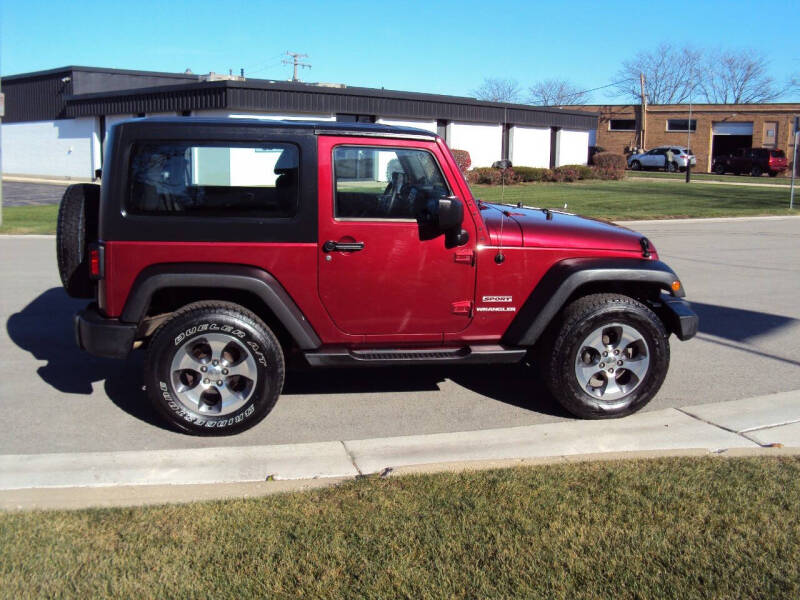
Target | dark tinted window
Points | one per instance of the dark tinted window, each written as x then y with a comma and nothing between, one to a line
214,180
681,124
622,124
777,154
385,183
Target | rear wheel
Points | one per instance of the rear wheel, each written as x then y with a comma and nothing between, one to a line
719,169
756,171
75,230
214,369
773,173
609,356
672,167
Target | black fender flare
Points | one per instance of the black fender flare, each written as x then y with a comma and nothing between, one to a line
238,277
566,276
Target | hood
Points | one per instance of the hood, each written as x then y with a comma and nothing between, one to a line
531,228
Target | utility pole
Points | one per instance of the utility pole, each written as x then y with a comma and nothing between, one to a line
644,111
295,62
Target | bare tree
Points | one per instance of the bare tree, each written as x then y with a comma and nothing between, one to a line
738,77
497,89
556,92
670,74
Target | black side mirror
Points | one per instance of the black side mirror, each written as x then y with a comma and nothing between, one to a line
447,213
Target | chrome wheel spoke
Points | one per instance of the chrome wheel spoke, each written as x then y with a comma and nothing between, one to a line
611,388
637,366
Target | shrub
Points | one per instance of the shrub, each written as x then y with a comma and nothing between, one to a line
463,160
608,173
572,173
535,174
608,165
492,176
609,159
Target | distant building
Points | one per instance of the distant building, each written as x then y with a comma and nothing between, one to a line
56,121
716,129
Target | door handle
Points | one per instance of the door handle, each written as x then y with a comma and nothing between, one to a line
331,246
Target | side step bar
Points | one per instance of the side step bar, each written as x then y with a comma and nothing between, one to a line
484,354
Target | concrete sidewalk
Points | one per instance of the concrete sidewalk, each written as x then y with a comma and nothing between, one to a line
104,478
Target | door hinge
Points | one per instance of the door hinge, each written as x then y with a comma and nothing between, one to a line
462,307
466,257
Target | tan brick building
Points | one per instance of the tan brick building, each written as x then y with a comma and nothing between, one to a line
716,128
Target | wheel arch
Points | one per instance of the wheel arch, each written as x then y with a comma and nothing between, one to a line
167,287
570,279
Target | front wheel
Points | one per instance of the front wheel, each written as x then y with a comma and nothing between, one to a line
636,165
719,169
609,356
214,369
756,171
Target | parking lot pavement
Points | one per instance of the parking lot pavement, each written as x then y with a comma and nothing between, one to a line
742,275
17,193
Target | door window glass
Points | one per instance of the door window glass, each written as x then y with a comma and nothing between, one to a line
384,183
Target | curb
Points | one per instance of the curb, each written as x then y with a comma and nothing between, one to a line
762,424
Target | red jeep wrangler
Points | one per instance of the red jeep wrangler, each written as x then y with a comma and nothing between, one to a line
222,245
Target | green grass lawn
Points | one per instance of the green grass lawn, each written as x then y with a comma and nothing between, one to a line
669,528
29,219
632,199
711,177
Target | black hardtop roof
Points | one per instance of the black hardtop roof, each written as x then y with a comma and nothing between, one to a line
311,126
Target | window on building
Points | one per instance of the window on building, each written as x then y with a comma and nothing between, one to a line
622,125
681,124
171,178
385,183
350,118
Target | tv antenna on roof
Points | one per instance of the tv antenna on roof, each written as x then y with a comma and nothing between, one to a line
295,62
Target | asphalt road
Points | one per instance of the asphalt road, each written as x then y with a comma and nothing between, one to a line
743,276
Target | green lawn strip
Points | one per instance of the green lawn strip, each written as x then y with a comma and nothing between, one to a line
668,528
710,177
29,219
632,199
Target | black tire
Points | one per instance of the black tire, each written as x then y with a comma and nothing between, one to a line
773,173
756,171
604,312
636,165
75,230
190,331
719,169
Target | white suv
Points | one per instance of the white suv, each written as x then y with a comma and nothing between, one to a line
657,159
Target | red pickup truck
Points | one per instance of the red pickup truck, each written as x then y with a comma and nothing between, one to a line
225,245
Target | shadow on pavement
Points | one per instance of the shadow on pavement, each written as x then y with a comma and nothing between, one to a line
737,324
44,328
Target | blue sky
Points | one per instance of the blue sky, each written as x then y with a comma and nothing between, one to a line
428,46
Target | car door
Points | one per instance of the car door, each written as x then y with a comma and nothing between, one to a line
381,272
655,158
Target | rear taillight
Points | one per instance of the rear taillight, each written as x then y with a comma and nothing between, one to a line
96,256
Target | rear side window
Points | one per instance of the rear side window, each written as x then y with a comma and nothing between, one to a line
385,183
777,154
214,180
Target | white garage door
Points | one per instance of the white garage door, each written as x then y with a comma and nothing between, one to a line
729,128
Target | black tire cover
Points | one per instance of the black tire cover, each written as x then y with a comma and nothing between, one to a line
76,229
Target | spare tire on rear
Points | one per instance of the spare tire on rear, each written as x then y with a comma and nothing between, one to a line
76,229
